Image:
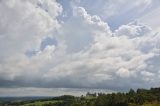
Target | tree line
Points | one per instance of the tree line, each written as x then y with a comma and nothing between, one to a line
132,98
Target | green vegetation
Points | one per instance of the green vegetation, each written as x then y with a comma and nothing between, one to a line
141,97
41,103
152,104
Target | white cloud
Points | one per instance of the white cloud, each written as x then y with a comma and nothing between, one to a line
23,25
109,8
79,30
87,54
132,30
122,72
107,59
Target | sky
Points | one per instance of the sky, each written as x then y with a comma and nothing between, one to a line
56,47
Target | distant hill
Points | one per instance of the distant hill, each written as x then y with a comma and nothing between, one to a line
9,99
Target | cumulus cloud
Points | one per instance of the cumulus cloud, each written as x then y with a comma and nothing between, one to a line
122,72
110,8
133,29
87,54
23,25
77,38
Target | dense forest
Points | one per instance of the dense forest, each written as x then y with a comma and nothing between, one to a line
140,97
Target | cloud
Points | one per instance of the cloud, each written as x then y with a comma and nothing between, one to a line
151,18
116,12
132,30
106,60
23,26
122,72
85,53
109,9
77,38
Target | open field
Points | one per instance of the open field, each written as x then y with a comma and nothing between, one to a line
41,103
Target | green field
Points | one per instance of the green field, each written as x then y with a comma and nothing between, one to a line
147,104
40,103
152,104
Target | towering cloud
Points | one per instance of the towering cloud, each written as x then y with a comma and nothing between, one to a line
84,52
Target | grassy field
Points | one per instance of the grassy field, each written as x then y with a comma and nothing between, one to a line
147,104
152,104
40,103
